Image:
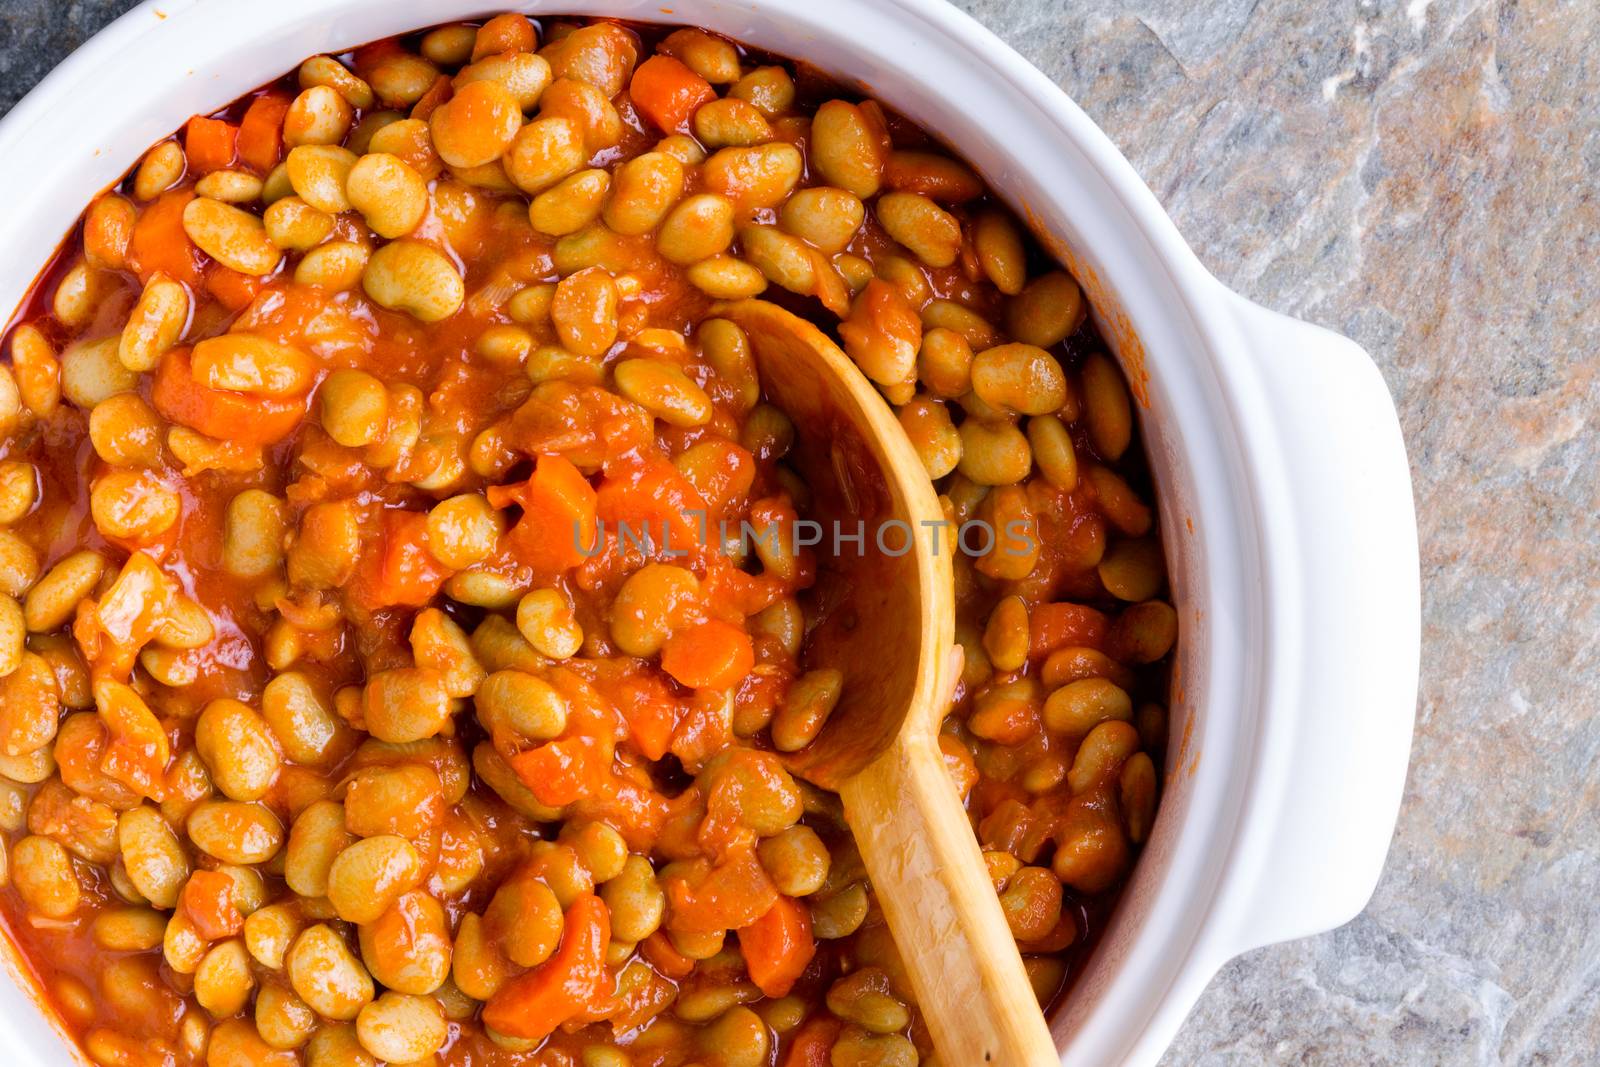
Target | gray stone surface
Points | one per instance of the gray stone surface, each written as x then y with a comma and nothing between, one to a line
1419,174
35,35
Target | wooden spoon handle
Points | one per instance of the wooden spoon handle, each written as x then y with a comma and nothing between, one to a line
933,886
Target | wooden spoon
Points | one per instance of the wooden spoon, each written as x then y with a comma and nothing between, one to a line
887,622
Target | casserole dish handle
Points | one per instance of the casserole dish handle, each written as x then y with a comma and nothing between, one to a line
1343,596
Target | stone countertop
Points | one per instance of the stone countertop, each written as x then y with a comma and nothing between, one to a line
1420,175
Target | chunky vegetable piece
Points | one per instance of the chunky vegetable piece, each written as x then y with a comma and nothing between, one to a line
402,620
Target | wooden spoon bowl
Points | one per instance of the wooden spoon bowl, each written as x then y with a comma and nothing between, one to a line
887,622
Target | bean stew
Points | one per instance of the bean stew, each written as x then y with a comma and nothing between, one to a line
402,616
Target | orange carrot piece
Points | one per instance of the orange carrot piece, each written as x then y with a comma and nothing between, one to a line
402,573
734,893
668,93
649,709
711,655
777,948
232,289
572,981
159,243
812,1044
1053,626
209,144
657,504
410,572
559,772
558,521
668,961
260,143
219,413
208,901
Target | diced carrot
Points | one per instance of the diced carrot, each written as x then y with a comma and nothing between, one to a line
411,574
734,893
649,709
209,144
261,132
159,243
711,655
1053,626
559,772
652,499
232,289
208,901
438,93
668,93
402,573
571,982
812,1044
668,961
219,413
558,522
777,948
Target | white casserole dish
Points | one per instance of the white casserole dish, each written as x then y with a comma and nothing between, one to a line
1284,491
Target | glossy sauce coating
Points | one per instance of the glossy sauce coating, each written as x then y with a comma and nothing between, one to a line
382,675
